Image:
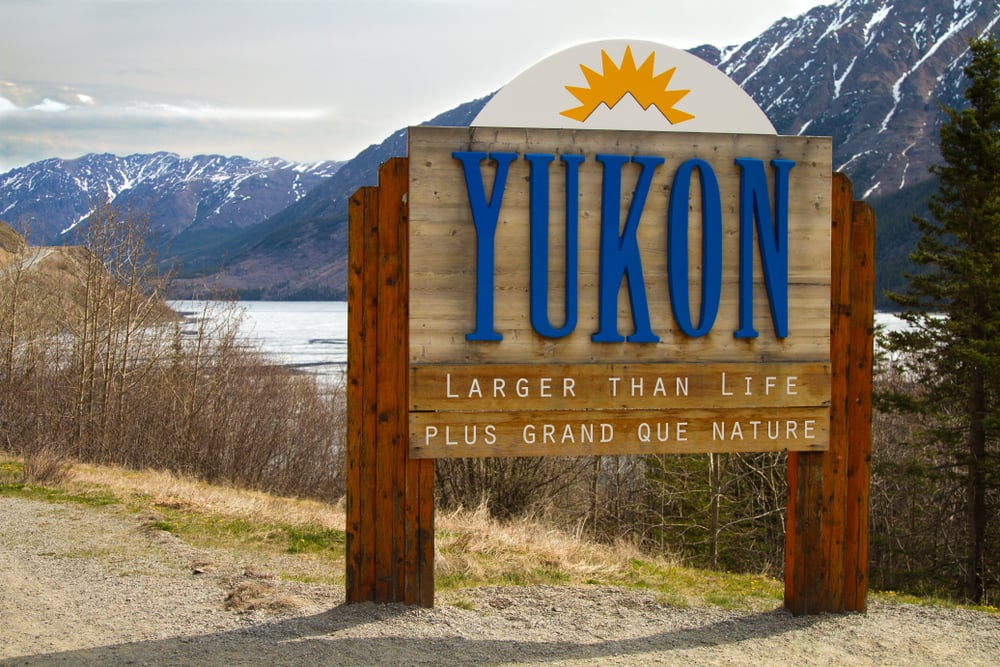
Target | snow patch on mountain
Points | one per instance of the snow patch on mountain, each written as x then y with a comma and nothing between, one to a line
55,196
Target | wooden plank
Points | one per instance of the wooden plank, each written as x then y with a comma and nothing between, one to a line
408,585
512,387
361,396
803,582
590,433
792,568
425,518
443,239
834,477
370,514
355,383
385,481
369,472
410,571
391,380
409,575
814,548
860,407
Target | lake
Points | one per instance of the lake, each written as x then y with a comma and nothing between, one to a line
312,335
306,335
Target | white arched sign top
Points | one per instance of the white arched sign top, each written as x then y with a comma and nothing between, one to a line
625,85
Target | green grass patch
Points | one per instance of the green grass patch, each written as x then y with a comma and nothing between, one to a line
684,586
306,540
327,577
463,602
895,597
207,530
453,581
89,497
162,525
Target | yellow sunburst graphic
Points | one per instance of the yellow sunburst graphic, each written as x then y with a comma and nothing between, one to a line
617,81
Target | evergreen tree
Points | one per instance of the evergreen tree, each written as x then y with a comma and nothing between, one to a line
952,348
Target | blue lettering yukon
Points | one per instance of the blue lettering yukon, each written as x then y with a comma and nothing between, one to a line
619,256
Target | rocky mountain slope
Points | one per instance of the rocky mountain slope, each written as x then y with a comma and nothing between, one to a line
873,74
301,253
183,196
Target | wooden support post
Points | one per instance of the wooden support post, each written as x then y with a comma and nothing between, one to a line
361,399
390,498
826,544
859,395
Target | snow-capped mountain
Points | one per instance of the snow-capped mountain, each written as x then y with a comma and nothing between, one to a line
873,74
205,192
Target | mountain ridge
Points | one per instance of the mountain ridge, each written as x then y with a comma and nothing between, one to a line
178,193
872,74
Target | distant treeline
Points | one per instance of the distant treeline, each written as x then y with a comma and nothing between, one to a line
896,237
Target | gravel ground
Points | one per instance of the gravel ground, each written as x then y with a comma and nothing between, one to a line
85,587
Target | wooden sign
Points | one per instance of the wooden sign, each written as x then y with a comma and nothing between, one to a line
620,256
607,292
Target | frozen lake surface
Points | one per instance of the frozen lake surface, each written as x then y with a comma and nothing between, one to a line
312,335
307,335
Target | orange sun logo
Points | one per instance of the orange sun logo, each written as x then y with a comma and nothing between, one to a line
615,82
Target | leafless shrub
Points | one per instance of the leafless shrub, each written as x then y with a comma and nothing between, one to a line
45,464
510,487
94,366
717,510
917,501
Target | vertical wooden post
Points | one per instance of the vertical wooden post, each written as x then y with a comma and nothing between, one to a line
826,543
859,395
362,295
390,510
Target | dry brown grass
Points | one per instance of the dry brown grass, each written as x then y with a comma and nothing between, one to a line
471,547
253,595
186,493
477,548
10,241
47,465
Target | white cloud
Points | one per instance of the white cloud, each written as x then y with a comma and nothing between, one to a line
50,106
87,107
206,112
304,80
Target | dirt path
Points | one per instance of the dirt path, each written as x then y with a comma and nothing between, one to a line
85,587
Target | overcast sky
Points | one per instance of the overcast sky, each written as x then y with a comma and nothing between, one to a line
303,80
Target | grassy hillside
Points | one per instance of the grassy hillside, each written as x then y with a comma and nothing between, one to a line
303,540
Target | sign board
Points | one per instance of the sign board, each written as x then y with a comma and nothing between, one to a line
633,262
608,292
